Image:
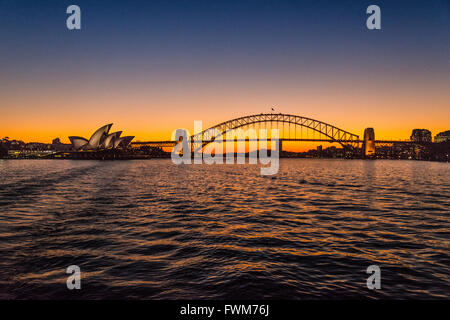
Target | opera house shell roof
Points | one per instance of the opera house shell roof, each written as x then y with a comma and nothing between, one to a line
101,140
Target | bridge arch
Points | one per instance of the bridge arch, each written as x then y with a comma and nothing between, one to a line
334,133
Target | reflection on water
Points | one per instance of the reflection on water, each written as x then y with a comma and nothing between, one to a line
150,229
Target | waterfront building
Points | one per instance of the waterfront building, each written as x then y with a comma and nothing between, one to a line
421,135
442,137
101,139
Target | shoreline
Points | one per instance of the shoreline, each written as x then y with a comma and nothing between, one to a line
168,158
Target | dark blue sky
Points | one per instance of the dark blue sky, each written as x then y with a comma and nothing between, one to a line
187,34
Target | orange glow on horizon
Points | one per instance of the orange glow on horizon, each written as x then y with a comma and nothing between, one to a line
42,115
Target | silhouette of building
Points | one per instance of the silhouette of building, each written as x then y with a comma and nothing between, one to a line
57,145
442,137
421,135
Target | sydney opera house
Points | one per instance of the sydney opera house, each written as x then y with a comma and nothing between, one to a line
101,140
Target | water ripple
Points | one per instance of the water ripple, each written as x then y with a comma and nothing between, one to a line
153,230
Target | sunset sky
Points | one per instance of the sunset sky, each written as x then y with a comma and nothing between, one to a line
150,67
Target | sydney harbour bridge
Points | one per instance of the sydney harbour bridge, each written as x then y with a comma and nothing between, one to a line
290,128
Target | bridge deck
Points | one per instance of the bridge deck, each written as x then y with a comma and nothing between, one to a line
170,143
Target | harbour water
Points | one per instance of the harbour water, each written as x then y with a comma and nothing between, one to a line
148,229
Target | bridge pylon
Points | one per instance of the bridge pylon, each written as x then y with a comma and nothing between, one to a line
368,147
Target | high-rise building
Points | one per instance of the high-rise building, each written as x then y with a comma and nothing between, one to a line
442,137
421,135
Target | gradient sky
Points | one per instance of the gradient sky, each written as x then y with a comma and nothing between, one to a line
150,67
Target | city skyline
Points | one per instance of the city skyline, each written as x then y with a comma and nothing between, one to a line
153,68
